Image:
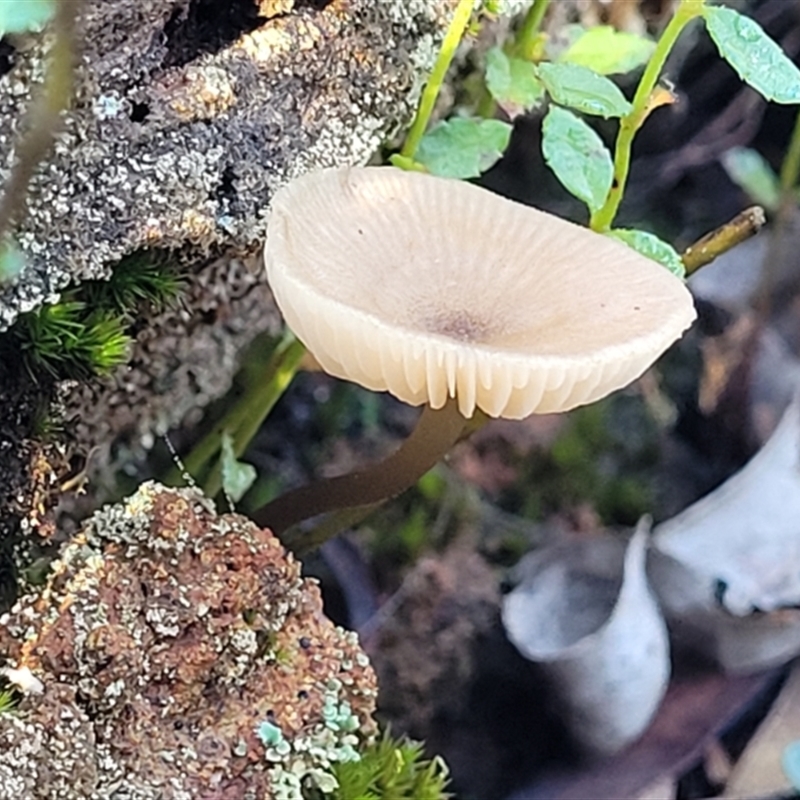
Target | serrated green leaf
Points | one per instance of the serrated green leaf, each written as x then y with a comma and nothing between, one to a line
608,51
463,148
237,477
759,60
18,16
578,87
512,80
748,169
577,156
650,246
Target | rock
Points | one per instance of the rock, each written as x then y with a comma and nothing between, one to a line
166,636
188,117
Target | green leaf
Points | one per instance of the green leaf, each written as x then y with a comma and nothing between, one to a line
760,62
579,88
608,51
463,148
748,169
578,156
512,80
18,16
790,761
237,477
650,246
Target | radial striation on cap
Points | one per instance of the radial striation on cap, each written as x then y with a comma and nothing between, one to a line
430,288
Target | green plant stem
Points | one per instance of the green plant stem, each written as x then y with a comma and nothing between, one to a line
244,419
528,33
790,168
436,432
257,406
687,10
524,46
44,117
452,39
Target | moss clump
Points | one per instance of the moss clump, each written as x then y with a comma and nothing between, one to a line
145,280
70,340
88,333
391,768
320,767
8,701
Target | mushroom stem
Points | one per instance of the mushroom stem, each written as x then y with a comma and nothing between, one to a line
436,432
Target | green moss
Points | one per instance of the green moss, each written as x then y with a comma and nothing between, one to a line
72,340
604,458
143,281
88,333
393,769
8,701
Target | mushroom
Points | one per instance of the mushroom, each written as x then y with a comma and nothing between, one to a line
448,296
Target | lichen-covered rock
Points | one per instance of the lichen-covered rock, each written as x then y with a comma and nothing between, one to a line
189,114
182,359
182,656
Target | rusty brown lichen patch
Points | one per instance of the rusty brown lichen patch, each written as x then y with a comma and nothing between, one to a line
165,635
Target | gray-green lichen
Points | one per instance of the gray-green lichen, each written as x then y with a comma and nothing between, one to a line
165,637
182,128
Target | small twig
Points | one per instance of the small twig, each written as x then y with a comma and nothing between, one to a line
77,483
44,116
744,225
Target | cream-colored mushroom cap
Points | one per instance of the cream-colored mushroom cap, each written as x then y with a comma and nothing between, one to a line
428,288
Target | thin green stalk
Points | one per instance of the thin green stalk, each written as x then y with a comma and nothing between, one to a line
687,10
427,102
267,394
790,169
528,33
254,405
